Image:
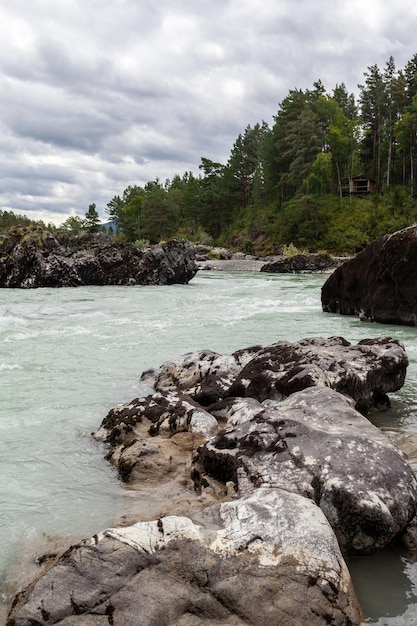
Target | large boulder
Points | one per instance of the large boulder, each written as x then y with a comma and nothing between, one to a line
245,503
308,444
367,372
37,258
380,283
268,559
316,445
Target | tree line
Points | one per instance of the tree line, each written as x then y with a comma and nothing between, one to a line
286,183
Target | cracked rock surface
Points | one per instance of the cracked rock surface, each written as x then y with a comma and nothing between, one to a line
37,258
256,472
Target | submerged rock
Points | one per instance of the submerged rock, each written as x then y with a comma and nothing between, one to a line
380,283
38,258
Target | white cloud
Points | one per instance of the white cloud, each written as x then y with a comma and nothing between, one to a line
100,94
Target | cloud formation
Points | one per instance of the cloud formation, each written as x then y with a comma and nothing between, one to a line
100,94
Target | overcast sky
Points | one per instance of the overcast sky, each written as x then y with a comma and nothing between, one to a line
97,95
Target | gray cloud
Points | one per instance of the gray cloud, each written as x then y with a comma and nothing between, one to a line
97,95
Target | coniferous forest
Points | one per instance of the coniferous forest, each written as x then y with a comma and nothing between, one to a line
333,172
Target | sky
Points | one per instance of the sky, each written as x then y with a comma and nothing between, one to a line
97,95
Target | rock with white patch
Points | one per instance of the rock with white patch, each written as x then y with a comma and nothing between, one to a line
268,559
205,375
136,433
367,372
317,445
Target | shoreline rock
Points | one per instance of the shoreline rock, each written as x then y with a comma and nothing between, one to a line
281,481
38,258
253,561
221,259
379,284
302,263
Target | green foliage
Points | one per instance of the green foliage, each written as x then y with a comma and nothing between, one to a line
142,243
284,185
92,219
290,250
74,224
9,219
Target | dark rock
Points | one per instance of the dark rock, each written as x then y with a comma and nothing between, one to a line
300,263
366,371
309,444
380,283
38,258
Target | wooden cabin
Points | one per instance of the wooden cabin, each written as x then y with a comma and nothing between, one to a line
358,186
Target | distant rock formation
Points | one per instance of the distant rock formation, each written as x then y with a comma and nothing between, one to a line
301,263
37,258
380,283
263,474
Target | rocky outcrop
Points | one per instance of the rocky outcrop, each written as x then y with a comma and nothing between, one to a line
307,444
38,258
379,284
268,559
316,445
366,372
301,263
264,474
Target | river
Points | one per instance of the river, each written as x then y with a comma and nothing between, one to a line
69,355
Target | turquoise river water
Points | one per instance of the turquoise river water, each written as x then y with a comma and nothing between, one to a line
68,355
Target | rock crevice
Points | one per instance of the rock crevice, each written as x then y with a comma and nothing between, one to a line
264,474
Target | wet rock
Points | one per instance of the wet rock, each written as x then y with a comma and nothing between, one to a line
379,284
252,471
38,258
268,559
155,437
317,445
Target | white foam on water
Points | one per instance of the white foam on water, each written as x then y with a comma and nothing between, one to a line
69,355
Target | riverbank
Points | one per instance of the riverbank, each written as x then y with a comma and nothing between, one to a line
223,260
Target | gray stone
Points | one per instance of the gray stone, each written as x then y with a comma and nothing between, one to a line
317,445
301,263
268,559
367,372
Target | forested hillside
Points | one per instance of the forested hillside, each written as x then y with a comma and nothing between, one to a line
293,182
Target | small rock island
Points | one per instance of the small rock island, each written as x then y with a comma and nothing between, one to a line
262,472
31,258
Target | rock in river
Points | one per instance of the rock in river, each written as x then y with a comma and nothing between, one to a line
264,475
268,559
37,258
301,263
366,371
380,283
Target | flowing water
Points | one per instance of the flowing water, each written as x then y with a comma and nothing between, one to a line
68,355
